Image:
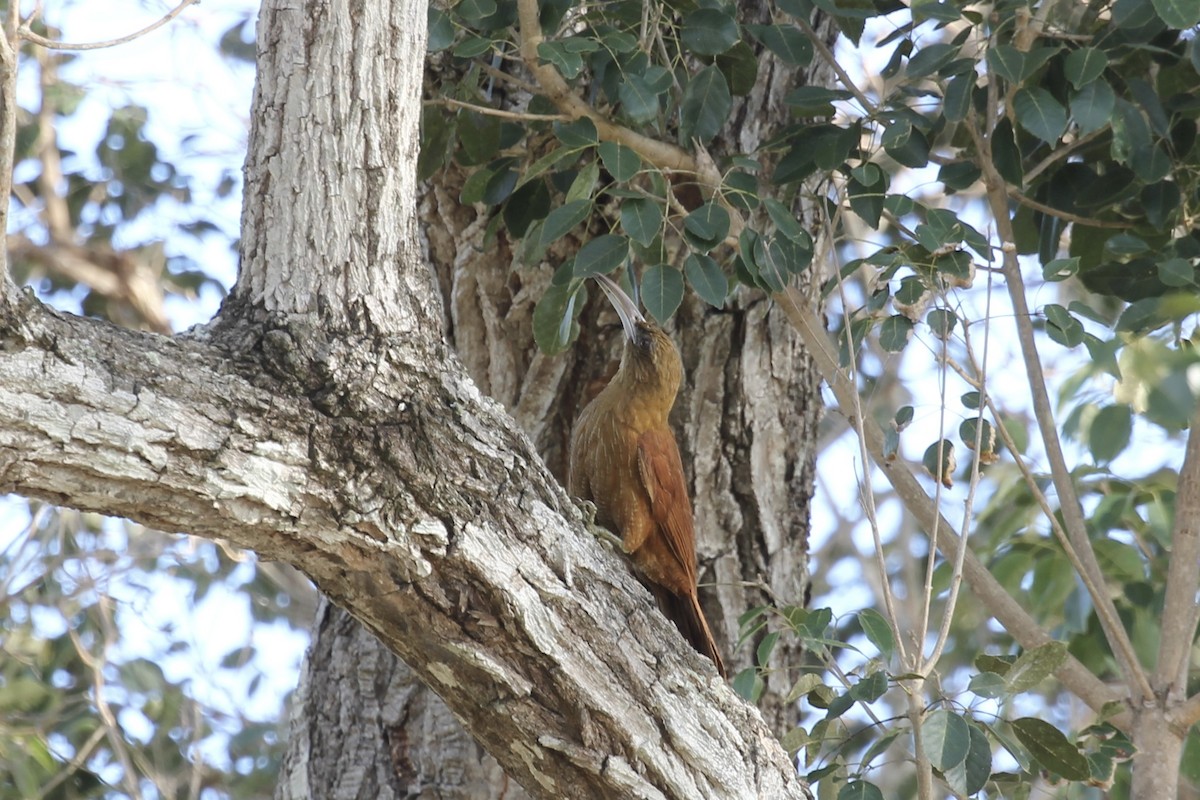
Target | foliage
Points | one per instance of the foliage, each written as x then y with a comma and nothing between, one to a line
1060,141
103,692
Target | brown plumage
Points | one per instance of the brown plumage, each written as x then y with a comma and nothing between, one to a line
625,460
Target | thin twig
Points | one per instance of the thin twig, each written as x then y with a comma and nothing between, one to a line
111,727
831,60
523,116
1060,153
969,504
1072,511
857,421
1066,216
29,36
1000,604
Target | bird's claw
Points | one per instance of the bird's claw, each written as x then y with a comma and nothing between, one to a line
599,531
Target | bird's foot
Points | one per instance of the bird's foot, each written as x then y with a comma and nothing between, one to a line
599,531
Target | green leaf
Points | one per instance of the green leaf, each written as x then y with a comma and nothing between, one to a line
1161,202
867,187
941,470
706,227
1035,665
878,632
1008,62
580,133
706,278
870,688
762,653
564,218
957,100
988,684
527,204
662,291
941,322
804,684
1060,269
906,144
814,101
479,135
705,106
441,30
641,219
1110,432
794,740
1039,113
709,31
1062,327
475,10
1085,65
570,64
619,160
894,333
1181,14
748,684
930,59
859,790
739,64
472,47
601,255
1051,749
785,220
1005,154
584,183
786,41
639,102
554,316
547,162
972,774
945,738
1177,272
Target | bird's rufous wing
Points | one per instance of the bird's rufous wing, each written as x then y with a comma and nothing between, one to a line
662,477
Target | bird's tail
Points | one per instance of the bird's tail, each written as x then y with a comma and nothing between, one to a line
685,612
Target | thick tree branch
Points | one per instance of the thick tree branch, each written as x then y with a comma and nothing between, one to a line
413,502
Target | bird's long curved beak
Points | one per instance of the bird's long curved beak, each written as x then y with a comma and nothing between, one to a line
625,308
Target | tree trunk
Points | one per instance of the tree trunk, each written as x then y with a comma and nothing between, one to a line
321,421
746,424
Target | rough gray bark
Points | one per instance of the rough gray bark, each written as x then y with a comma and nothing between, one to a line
746,425
322,421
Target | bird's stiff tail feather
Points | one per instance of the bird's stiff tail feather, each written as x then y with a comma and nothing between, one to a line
685,612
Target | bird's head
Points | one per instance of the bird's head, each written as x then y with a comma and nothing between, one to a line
650,358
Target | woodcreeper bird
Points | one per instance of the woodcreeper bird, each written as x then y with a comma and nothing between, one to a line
624,459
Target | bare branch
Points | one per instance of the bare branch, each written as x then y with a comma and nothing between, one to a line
522,116
1023,628
1179,615
1025,200
28,35
1072,511
661,154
